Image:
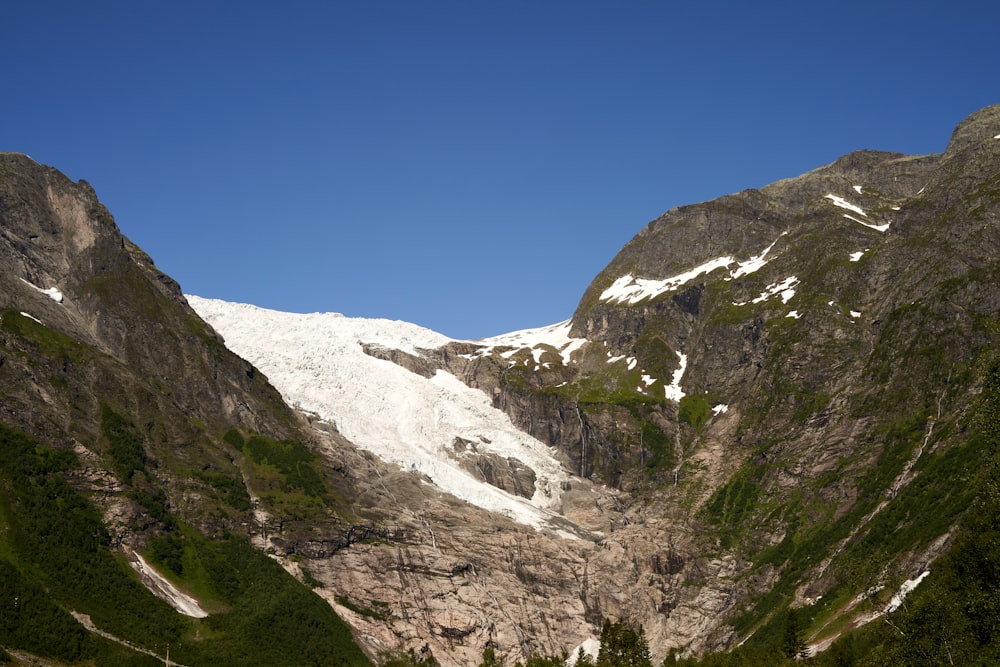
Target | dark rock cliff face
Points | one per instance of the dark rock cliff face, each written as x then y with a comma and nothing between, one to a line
144,340
832,330
938,214
103,361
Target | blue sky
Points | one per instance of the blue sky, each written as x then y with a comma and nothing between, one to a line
467,166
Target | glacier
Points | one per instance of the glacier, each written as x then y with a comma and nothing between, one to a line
316,361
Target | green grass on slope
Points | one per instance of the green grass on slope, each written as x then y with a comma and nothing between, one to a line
951,618
56,557
57,552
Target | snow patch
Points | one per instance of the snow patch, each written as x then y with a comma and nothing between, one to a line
794,314
719,409
165,590
51,292
556,336
897,598
785,288
32,317
904,590
856,256
673,391
754,263
843,203
632,290
590,647
877,228
855,314
857,188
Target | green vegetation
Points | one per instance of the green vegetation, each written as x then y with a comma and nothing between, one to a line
615,386
659,448
621,646
124,444
30,620
232,490
694,411
168,550
55,542
406,659
357,609
234,438
271,619
952,618
735,500
50,343
55,557
291,459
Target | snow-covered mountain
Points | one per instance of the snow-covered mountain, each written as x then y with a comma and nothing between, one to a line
318,363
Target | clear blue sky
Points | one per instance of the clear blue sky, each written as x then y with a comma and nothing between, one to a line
468,166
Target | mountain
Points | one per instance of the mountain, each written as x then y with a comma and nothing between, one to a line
126,433
770,421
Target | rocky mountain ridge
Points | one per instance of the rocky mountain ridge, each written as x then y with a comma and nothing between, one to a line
828,331
755,403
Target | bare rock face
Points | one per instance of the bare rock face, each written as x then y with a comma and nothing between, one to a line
65,256
508,474
452,579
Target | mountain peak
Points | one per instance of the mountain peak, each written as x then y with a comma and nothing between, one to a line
977,128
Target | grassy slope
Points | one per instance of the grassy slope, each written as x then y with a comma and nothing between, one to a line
55,557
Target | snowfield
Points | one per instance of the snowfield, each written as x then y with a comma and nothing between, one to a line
317,363
632,290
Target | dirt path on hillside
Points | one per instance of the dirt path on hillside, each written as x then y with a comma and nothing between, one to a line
85,621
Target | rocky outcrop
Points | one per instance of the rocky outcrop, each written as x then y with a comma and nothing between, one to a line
59,240
452,579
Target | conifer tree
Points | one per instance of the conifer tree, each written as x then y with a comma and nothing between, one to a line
621,646
490,658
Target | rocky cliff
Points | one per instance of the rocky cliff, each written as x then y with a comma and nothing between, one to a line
778,380
115,401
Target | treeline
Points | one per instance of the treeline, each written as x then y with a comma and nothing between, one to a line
620,645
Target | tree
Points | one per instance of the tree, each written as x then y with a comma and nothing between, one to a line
621,646
490,658
792,644
584,659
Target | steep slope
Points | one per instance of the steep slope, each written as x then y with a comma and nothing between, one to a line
115,401
434,426
831,331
